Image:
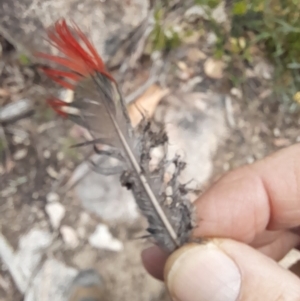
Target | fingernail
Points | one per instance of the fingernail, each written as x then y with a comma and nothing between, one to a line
203,272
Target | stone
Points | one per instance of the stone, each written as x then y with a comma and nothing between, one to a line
103,239
195,55
264,70
196,12
16,109
52,197
20,154
56,213
52,282
196,124
69,236
214,68
22,263
104,195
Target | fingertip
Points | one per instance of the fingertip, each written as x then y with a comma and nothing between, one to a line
154,260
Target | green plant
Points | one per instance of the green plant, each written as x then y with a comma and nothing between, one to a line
273,26
163,37
24,59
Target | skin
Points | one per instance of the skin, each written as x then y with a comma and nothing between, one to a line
257,205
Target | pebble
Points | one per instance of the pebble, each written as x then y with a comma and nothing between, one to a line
20,154
276,132
56,213
214,68
103,239
15,110
69,236
195,13
211,38
236,92
46,154
264,70
52,172
195,55
52,197
219,13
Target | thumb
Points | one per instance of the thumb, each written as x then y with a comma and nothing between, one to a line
226,270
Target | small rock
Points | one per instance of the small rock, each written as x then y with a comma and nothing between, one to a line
226,166
211,38
15,110
214,68
182,66
276,132
250,160
52,172
266,93
8,191
249,73
60,156
56,213
190,84
46,154
52,197
264,70
26,258
20,154
196,12
219,13
281,142
195,55
66,95
69,236
103,239
52,282
237,93
20,139
183,72
84,218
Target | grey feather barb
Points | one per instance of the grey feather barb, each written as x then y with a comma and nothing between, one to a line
99,107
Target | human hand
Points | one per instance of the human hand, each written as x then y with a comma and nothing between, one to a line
246,218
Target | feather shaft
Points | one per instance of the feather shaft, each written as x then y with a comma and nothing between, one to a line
144,182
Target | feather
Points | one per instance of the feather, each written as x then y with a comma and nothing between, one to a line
98,106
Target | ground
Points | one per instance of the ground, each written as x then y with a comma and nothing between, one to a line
49,221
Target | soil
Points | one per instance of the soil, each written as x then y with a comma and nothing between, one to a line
259,124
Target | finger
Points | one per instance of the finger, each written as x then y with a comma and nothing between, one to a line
245,202
226,270
278,248
154,260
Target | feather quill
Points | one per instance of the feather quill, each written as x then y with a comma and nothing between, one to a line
98,106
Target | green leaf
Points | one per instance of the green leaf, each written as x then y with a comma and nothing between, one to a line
24,60
239,8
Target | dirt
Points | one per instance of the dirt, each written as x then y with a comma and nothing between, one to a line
259,124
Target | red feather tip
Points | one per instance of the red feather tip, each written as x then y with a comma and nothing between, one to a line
81,58
56,104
